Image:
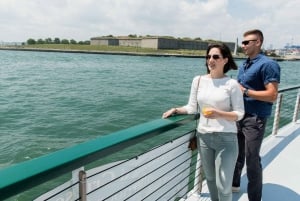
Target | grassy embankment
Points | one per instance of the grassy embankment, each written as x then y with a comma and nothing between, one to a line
114,50
120,49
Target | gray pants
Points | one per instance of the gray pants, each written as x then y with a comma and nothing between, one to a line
218,152
250,136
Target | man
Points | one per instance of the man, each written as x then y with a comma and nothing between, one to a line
259,77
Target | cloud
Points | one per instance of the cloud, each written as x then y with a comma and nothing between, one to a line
208,19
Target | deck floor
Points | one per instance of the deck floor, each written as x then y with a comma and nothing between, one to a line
281,168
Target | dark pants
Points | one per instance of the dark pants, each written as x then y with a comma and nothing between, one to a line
250,136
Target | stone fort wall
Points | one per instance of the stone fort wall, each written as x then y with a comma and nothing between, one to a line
155,43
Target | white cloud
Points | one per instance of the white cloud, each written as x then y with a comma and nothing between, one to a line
208,19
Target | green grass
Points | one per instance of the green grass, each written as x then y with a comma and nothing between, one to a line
115,49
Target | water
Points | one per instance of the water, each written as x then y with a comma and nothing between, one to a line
49,101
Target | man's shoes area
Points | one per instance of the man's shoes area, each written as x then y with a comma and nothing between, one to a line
235,189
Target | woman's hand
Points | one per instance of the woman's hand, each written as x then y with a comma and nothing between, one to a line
212,113
208,112
169,113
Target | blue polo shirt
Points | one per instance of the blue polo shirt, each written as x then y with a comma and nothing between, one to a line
255,74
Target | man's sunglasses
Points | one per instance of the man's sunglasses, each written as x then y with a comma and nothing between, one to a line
246,42
214,56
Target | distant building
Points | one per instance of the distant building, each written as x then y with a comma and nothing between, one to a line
155,43
104,41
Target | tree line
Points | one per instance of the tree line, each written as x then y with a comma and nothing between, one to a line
32,41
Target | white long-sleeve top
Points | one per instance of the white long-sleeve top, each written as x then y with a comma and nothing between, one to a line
223,94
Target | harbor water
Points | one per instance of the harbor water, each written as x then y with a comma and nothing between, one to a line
50,101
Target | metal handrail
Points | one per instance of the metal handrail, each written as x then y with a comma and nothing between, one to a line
277,113
25,175
297,107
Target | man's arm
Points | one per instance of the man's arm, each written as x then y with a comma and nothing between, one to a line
267,95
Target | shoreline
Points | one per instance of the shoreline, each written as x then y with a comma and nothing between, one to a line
100,52
125,53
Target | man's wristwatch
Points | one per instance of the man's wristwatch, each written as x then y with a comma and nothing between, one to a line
246,92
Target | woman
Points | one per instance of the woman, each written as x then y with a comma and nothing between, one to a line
221,102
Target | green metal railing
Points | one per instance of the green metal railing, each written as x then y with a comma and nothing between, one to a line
28,174
25,175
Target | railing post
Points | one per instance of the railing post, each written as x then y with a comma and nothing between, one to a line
297,107
82,185
277,114
198,175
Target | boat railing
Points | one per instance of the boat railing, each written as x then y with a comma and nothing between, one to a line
109,167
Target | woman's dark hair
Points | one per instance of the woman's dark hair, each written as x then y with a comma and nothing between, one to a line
226,53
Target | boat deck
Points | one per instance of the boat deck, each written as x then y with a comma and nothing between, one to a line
281,166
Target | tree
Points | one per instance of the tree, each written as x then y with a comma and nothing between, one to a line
48,40
40,41
72,41
186,38
56,40
31,41
65,41
132,36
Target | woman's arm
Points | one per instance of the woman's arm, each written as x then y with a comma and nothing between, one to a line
212,113
191,107
173,111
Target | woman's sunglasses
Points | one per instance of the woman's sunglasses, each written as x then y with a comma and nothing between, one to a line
214,56
246,42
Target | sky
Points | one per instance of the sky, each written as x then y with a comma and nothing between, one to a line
224,20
